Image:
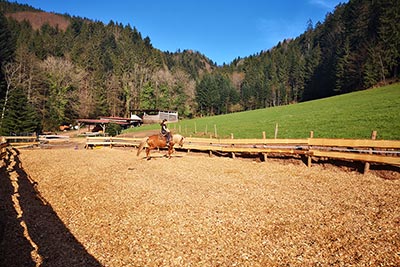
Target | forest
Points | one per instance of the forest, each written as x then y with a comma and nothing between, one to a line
72,67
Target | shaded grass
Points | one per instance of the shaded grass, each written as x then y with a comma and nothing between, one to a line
353,115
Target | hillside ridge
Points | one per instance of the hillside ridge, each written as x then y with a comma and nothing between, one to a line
38,19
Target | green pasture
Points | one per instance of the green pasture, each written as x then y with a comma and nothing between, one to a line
353,115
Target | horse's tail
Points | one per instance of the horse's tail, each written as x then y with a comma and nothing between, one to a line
141,145
181,141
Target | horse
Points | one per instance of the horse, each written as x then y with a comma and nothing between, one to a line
158,141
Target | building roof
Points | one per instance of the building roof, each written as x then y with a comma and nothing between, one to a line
132,118
105,120
102,121
135,117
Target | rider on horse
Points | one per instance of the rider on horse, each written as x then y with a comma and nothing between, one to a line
165,131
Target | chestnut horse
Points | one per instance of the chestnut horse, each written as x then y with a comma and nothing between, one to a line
159,141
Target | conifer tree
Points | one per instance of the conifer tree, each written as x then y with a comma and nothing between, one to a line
20,117
6,51
389,35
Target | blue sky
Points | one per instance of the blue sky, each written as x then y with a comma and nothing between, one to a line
220,29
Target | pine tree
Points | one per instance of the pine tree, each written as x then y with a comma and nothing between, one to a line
206,95
6,51
343,77
373,70
147,97
20,117
389,35
296,73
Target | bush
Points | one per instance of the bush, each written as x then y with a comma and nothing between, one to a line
113,129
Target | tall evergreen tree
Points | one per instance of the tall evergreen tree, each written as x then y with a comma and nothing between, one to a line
214,94
7,48
344,69
20,117
389,35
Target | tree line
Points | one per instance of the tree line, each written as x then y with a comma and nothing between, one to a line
51,76
357,47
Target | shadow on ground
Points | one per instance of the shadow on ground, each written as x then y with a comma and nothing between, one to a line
31,233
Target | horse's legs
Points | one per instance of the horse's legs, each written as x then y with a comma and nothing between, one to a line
170,150
148,153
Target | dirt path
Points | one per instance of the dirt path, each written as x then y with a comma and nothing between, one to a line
117,209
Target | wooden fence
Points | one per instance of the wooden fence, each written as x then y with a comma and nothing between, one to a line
19,141
364,150
16,141
3,148
112,142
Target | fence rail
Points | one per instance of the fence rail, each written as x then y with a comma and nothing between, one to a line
3,149
18,141
112,141
364,150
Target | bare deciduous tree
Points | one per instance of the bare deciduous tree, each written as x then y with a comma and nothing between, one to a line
62,78
13,77
114,94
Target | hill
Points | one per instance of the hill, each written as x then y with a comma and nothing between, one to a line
38,19
107,69
111,70
355,48
352,115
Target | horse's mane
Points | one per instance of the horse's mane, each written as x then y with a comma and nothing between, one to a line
178,139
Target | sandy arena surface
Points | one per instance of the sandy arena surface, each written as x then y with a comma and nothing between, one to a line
108,207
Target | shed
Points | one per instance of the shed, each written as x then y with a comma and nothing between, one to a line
97,125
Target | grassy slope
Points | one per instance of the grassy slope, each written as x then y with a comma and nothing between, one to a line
352,115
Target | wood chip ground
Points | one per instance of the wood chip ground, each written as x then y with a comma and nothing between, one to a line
108,207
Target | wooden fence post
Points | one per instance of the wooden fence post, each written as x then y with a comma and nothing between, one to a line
188,151
367,165
264,154
215,131
309,159
276,130
3,149
233,153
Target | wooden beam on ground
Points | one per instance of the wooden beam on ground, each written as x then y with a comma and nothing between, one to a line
359,157
18,144
354,143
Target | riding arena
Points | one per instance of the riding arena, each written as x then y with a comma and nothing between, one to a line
70,206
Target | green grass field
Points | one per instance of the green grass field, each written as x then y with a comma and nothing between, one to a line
353,115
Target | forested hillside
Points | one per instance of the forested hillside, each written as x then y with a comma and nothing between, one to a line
357,47
69,67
